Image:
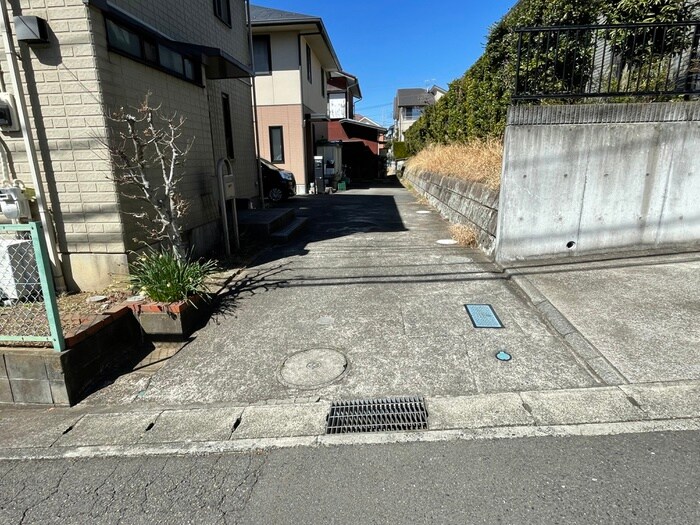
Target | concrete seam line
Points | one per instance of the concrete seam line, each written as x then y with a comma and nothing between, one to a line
249,445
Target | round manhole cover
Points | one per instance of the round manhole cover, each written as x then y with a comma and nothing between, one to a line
313,368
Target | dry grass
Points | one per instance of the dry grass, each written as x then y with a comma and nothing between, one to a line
477,161
464,235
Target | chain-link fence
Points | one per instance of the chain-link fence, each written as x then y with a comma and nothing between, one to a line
28,311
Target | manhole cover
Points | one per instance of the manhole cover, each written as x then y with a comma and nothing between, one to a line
313,368
483,316
391,414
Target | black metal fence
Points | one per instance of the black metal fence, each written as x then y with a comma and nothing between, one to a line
627,60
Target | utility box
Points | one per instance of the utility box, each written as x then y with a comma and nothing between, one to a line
19,274
318,175
8,113
31,30
14,204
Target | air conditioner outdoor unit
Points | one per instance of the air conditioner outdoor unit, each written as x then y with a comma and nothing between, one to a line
19,275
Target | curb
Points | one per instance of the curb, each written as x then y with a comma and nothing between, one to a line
585,353
157,431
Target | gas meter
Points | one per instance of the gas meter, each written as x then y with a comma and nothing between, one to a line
14,204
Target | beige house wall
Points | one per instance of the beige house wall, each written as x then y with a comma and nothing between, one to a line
283,86
312,96
72,83
65,106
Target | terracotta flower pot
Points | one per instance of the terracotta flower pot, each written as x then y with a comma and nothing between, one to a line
171,320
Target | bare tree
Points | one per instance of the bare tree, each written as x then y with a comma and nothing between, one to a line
146,144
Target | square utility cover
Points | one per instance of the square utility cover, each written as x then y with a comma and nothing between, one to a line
483,316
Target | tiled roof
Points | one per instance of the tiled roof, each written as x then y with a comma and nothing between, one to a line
259,14
414,97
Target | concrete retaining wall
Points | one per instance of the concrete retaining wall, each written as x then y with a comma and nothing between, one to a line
461,202
587,179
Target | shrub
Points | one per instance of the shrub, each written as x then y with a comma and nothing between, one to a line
476,104
478,160
166,278
464,235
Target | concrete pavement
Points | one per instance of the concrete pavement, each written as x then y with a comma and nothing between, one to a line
369,304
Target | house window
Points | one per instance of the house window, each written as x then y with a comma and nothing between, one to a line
337,105
124,40
222,10
147,49
413,112
309,72
228,128
276,144
261,54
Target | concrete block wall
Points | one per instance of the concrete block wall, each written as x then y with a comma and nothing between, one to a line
586,179
461,202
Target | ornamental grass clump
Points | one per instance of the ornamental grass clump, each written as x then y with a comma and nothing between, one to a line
165,278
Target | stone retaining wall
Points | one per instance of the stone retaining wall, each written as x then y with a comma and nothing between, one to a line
461,202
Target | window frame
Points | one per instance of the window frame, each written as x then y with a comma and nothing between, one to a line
265,38
222,11
309,63
323,83
153,59
271,131
228,125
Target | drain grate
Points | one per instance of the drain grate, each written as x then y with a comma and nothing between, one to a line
483,316
391,414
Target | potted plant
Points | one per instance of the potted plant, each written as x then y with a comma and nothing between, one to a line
149,160
176,292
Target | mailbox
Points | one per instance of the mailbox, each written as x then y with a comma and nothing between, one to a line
229,187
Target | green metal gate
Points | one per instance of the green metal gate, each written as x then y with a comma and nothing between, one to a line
28,310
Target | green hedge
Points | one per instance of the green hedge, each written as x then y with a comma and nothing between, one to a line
476,104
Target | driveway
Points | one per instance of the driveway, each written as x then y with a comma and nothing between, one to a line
366,303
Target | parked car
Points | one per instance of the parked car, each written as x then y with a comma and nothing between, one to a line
278,184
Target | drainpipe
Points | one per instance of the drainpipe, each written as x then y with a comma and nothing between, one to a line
32,158
255,106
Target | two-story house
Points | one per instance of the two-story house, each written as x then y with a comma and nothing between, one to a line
361,139
97,56
293,58
409,105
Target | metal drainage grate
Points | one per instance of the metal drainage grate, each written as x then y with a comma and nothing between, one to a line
391,414
483,316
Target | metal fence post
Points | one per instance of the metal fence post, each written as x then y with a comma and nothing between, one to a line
47,285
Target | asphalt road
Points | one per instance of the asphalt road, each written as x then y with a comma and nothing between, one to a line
633,478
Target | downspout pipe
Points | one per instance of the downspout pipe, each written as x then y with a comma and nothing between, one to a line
256,125
33,160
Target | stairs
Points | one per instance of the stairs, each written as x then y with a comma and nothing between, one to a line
278,225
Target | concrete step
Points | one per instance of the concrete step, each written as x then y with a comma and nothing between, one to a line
262,223
290,231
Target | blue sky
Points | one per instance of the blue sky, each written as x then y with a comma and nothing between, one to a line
400,44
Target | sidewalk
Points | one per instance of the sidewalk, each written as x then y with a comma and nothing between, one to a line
368,304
